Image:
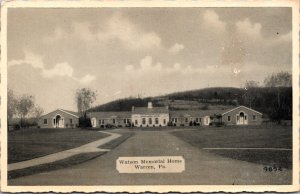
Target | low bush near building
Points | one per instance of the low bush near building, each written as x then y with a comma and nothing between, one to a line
218,124
85,122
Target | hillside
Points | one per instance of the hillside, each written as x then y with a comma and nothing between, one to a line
195,99
263,99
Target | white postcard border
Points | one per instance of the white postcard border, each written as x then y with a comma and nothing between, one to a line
153,188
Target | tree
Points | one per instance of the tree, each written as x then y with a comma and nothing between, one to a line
25,104
251,84
281,79
23,107
282,104
11,104
36,113
84,98
250,92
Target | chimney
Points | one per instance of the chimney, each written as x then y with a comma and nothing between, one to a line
132,108
149,105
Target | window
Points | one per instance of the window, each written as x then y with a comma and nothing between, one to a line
101,121
175,120
200,120
254,117
144,121
150,121
71,121
45,121
125,121
245,117
114,121
136,122
164,121
128,120
197,120
156,120
237,118
53,121
186,120
229,118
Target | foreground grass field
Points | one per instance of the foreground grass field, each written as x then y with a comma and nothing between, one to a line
73,160
32,143
214,140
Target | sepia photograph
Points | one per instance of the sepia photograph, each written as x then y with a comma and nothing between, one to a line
149,96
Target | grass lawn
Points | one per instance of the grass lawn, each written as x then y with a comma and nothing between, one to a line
33,142
73,160
245,137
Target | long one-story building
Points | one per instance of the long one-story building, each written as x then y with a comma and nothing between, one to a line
102,119
191,117
154,117
161,116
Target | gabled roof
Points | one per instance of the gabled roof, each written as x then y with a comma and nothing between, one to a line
75,114
106,115
193,113
65,111
153,110
242,107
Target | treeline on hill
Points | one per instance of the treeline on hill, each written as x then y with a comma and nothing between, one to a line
263,99
276,102
218,95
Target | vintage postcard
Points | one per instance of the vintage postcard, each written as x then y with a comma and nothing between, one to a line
160,96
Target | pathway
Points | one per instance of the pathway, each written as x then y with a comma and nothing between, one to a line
90,147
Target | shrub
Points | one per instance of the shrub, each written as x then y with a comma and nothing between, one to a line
85,122
109,126
218,124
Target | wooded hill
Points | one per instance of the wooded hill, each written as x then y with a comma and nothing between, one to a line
275,102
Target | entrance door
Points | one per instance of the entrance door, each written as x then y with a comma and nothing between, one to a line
59,122
242,119
94,122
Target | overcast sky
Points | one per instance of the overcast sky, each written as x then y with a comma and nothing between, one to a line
123,52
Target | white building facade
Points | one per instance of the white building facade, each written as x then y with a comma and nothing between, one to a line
150,116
